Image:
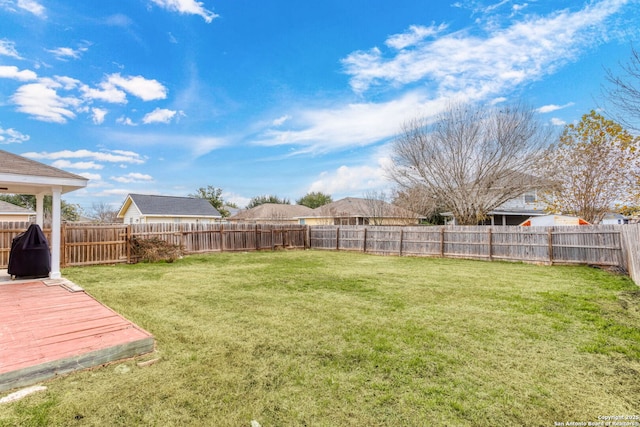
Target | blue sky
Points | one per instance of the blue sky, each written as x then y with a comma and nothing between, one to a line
279,97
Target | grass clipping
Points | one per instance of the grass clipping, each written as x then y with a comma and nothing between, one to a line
154,250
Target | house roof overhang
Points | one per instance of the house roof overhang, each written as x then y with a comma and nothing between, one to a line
30,184
19,175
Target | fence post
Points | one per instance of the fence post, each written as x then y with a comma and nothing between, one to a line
490,244
442,242
630,243
400,248
337,238
128,242
221,237
550,239
257,238
364,241
307,237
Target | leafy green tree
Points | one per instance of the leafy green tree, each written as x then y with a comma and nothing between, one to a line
68,211
596,168
314,199
261,200
214,196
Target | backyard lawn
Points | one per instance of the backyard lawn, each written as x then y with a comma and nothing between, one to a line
295,338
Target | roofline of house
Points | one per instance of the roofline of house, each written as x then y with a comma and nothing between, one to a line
359,216
514,213
181,215
30,213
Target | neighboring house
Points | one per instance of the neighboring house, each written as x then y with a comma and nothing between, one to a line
548,220
10,212
614,219
271,213
512,212
356,211
516,210
142,208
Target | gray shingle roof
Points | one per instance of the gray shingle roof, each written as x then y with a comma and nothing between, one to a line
17,165
273,211
357,207
173,206
10,208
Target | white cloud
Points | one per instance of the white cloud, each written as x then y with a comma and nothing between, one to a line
32,6
133,177
125,121
106,93
188,7
9,136
558,122
159,115
553,107
113,192
198,144
206,144
91,176
68,83
519,7
12,72
415,34
145,89
524,51
352,180
456,66
237,199
280,120
8,48
114,156
66,164
115,87
41,101
354,124
98,115
65,53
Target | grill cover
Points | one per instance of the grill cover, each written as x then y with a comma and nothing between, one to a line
30,256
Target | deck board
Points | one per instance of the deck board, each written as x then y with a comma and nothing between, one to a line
46,330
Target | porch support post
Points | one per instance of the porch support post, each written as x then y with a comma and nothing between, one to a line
56,192
40,209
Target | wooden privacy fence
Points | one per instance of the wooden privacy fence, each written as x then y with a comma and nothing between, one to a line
606,245
90,244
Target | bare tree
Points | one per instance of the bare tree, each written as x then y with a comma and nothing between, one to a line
472,159
624,93
377,206
103,213
420,201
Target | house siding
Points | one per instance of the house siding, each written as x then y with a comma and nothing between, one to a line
15,218
520,204
132,215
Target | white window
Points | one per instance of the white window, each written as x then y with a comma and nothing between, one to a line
530,198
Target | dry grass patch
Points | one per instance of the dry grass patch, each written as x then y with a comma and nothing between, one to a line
325,339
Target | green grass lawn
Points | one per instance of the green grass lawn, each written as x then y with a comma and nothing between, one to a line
335,338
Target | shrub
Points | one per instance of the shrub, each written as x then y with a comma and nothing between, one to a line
154,249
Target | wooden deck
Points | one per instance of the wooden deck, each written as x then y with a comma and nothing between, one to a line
52,327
